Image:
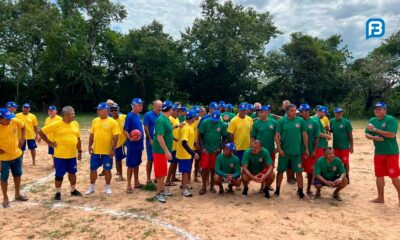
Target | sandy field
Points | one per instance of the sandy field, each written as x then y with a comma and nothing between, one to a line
211,216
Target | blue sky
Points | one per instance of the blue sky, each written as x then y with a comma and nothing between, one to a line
320,18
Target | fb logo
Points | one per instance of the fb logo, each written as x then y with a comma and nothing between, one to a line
375,27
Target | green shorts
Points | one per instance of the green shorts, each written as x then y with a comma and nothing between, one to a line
292,161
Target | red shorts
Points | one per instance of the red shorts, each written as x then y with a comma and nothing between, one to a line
343,154
319,153
273,155
387,165
308,163
160,165
208,160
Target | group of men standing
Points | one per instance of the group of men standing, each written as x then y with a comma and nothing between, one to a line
228,148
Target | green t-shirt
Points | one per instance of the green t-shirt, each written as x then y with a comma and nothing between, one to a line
256,162
312,129
389,146
227,117
322,143
163,127
254,115
340,130
291,134
181,118
212,133
329,171
227,165
265,132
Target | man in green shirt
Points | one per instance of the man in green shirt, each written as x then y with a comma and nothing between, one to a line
324,137
228,114
227,169
255,114
312,129
290,131
257,166
342,138
212,134
329,171
162,148
382,130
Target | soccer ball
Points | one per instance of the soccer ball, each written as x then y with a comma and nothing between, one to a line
136,133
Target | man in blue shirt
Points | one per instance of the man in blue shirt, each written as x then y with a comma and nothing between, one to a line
149,123
134,145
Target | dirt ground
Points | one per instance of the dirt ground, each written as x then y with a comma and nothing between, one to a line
211,216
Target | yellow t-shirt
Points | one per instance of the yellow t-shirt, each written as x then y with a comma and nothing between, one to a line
241,128
9,140
50,120
174,122
195,126
30,122
186,133
66,136
121,136
103,131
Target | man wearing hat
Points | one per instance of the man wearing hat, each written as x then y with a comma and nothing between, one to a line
184,151
313,130
149,122
228,115
134,145
52,118
221,106
212,135
12,106
162,148
120,150
382,130
227,169
10,153
323,135
196,146
64,137
103,141
182,113
239,129
257,106
342,132
31,126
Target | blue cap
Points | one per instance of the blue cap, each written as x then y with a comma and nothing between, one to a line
242,106
52,108
7,114
304,107
264,108
196,108
167,104
380,105
175,107
183,108
102,106
338,110
221,105
250,106
213,105
137,101
221,102
11,105
323,109
216,116
114,106
191,114
230,146
228,106
26,105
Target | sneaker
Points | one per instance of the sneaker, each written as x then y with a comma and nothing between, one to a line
187,193
76,193
277,192
266,193
90,190
245,190
57,197
108,191
301,193
166,194
160,198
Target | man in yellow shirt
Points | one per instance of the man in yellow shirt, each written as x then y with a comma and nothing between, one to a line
184,151
10,153
31,126
12,106
120,150
53,117
66,142
239,129
102,144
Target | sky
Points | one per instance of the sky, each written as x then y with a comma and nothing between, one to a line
319,18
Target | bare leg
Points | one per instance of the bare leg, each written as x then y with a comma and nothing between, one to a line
160,184
107,174
33,154
149,167
129,171
396,183
4,186
136,177
93,176
380,185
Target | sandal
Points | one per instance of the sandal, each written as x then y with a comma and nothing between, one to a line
139,186
129,191
202,191
6,204
21,198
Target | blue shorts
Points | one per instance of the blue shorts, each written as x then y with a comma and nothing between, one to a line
15,166
149,151
174,159
97,160
318,182
63,166
239,154
51,151
31,145
120,153
185,166
134,158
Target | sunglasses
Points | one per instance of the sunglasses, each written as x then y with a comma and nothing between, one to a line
113,110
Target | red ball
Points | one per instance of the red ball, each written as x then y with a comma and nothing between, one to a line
136,133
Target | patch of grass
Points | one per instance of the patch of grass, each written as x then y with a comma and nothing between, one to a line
149,187
149,233
56,234
150,199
